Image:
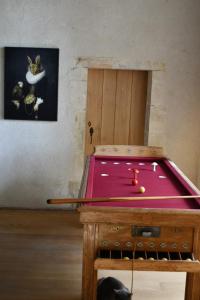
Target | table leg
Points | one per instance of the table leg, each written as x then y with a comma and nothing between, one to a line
192,288
94,285
89,276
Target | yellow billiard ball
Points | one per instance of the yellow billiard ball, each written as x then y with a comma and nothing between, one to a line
142,189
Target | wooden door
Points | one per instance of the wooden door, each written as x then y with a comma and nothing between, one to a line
116,108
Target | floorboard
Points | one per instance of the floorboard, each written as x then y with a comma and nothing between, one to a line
41,254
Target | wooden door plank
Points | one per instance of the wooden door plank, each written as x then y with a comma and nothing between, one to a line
138,107
94,106
108,107
116,107
123,104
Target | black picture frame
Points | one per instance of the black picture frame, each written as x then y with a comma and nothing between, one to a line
31,83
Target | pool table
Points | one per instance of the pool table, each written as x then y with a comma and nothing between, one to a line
125,228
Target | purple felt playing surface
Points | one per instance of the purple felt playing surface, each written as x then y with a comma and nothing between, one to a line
112,177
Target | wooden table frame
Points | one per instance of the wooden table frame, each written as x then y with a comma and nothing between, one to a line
93,217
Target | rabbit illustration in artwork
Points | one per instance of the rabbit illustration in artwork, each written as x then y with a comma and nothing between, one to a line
37,104
30,97
35,67
110,288
17,94
35,70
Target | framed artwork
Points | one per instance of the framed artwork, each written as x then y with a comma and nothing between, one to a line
31,83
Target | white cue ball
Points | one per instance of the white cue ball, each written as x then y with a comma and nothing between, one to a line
142,189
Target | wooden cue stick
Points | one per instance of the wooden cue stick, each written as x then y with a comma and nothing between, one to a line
117,199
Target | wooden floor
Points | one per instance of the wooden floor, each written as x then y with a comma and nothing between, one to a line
41,254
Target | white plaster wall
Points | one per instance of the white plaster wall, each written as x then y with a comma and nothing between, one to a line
39,160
